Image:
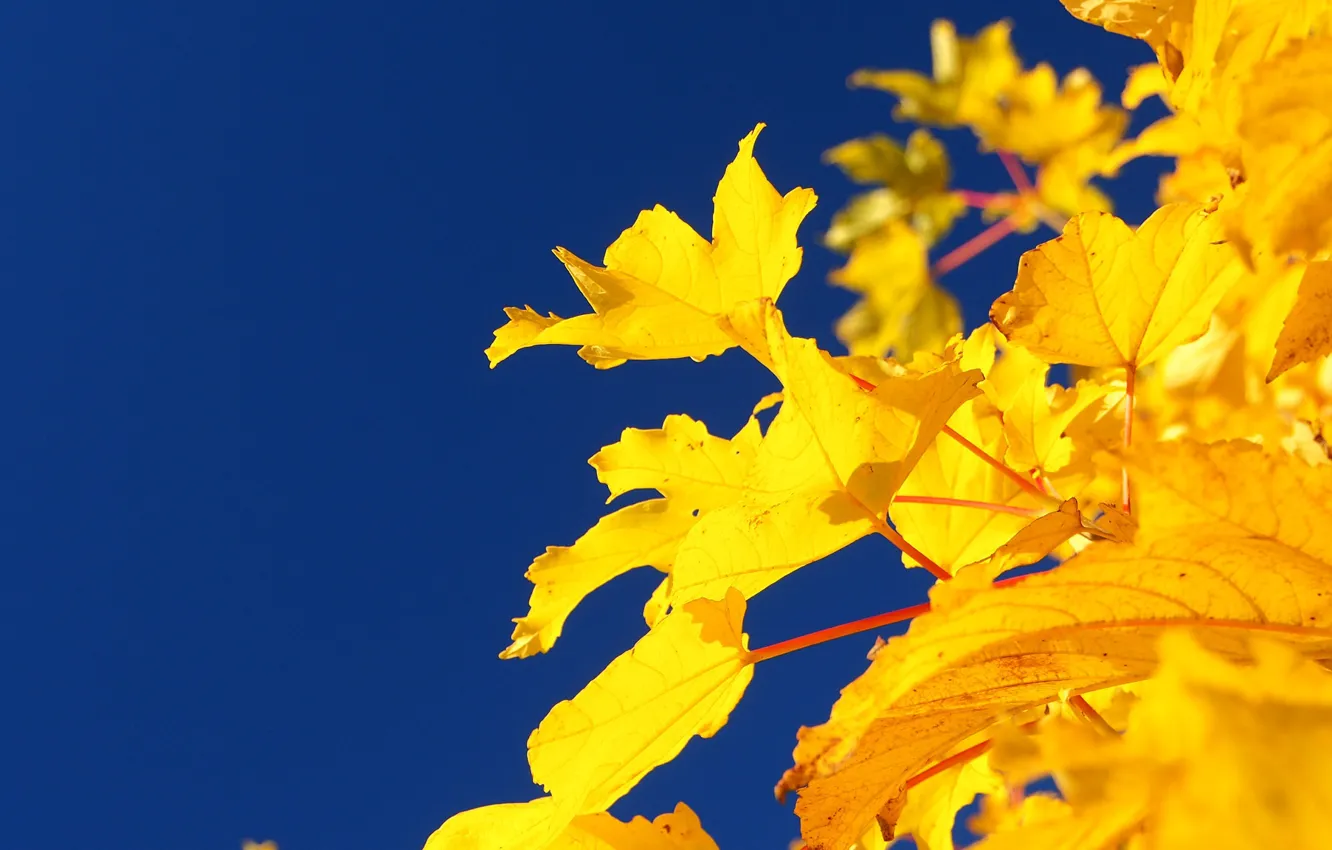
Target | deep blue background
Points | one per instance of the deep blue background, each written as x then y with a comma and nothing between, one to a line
265,512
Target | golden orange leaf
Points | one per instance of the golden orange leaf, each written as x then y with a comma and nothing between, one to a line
1088,624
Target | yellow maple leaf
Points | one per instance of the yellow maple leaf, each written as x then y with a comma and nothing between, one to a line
1087,624
903,311
542,824
931,807
1217,755
694,471
1307,332
1287,157
1233,489
1103,295
969,75
827,467
1039,117
664,286
913,182
951,535
680,680
1055,433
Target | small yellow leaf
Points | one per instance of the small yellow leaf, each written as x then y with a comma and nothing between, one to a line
950,535
1038,539
932,806
969,75
543,824
680,680
1039,117
1102,295
1038,424
903,311
1287,155
1143,82
663,286
913,184
1307,333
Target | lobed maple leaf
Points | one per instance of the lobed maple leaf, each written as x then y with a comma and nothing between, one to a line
903,310
1104,295
969,74
913,187
664,286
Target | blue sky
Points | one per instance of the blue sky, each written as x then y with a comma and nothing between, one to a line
267,512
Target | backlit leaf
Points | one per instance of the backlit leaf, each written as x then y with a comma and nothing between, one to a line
542,825
1307,333
680,680
1102,295
828,465
663,286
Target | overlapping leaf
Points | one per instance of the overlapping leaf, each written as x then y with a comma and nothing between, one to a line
1088,624
1217,755
913,188
828,466
953,536
664,286
1307,332
821,749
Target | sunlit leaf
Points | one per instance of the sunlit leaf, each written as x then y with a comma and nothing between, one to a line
663,286
681,680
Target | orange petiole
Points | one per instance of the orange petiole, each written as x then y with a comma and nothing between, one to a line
1016,172
973,246
966,503
1091,715
854,627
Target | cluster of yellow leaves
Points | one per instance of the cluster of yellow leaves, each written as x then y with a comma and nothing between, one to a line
1170,671
1061,127
1249,86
